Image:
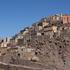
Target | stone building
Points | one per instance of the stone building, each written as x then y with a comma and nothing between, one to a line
3,51
66,19
5,42
54,29
55,18
59,17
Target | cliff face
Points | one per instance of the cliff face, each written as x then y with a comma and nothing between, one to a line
46,45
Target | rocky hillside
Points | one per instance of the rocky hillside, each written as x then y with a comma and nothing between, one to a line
43,46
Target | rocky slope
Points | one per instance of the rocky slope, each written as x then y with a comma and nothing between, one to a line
44,49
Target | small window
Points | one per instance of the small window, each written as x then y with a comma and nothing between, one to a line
59,52
50,41
28,40
55,43
60,46
63,28
36,53
21,49
18,54
42,33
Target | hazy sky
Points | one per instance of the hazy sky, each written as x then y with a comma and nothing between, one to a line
17,14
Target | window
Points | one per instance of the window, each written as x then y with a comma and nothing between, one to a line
42,33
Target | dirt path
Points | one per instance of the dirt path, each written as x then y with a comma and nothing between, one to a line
10,66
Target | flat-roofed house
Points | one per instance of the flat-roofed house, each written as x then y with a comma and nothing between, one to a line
54,29
66,19
45,22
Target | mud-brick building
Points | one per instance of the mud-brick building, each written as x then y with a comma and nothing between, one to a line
44,22
66,19
5,42
25,31
55,18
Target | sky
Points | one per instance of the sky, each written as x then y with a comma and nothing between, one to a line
17,14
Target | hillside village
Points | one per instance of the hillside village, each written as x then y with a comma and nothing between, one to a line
45,26
44,45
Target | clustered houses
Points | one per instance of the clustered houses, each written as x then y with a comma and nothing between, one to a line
46,26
